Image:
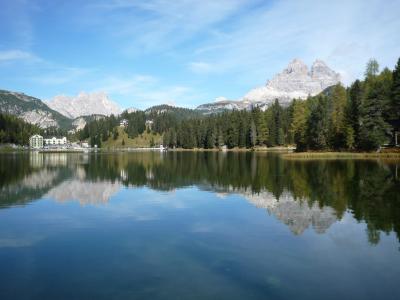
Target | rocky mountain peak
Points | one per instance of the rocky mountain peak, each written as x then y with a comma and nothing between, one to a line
296,81
84,104
296,66
323,74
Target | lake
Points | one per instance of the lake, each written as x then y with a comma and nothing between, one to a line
187,225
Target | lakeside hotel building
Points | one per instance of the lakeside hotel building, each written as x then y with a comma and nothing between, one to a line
55,141
36,141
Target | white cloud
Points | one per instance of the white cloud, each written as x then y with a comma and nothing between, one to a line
13,55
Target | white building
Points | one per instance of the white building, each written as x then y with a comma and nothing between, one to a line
55,141
123,123
36,141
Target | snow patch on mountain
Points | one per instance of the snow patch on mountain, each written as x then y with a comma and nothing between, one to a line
84,104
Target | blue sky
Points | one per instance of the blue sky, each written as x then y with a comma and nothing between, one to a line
185,52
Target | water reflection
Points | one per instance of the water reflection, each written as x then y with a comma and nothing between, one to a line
301,194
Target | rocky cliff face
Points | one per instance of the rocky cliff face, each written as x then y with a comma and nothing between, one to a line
84,104
294,82
31,110
220,104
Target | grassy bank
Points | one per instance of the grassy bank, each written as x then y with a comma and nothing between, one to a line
341,155
123,141
10,149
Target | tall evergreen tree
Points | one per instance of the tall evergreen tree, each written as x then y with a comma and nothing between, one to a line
317,127
353,112
337,126
395,93
253,134
299,124
373,129
372,68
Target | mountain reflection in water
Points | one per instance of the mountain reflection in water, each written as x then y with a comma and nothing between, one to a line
301,194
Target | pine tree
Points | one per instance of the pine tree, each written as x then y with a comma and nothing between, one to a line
210,138
270,121
350,137
277,137
373,129
395,93
385,79
299,124
353,112
337,126
172,138
372,68
220,139
317,125
253,134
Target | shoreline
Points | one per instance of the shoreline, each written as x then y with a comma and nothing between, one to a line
285,152
256,149
341,155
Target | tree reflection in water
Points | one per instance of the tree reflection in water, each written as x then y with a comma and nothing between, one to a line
299,193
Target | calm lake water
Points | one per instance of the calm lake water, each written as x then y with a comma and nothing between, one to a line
197,226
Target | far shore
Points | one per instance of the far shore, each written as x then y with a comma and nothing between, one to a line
286,152
341,155
236,149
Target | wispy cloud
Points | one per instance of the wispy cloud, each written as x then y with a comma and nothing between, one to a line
264,40
252,40
59,75
158,25
190,51
144,90
13,55
200,67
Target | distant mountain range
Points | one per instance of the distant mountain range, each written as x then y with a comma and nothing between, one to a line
296,81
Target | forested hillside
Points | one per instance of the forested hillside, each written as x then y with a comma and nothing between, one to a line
15,131
357,118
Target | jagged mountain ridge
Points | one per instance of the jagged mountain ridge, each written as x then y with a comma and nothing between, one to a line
84,104
296,81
